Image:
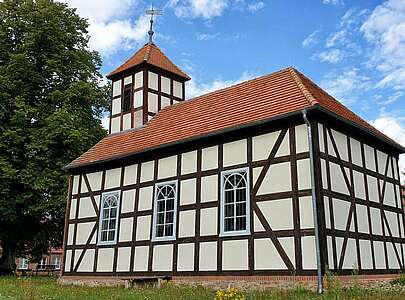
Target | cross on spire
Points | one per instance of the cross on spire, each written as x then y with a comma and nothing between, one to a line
152,12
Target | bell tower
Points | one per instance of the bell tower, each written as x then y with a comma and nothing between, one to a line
146,83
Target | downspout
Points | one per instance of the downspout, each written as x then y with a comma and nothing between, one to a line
314,208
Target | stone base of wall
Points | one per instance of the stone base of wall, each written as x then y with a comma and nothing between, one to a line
223,282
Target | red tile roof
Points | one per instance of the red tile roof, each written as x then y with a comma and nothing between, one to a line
152,55
263,98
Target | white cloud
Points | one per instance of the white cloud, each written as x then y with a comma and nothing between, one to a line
384,29
207,36
206,9
333,2
110,25
336,38
393,128
311,39
254,7
344,86
332,56
194,88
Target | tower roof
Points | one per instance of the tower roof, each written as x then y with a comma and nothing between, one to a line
262,99
152,55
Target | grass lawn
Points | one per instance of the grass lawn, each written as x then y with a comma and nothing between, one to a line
47,288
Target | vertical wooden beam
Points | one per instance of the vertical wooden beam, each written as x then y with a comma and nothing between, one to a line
65,229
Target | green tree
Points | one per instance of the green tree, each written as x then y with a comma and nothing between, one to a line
51,103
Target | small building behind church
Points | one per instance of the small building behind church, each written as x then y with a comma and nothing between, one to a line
270,177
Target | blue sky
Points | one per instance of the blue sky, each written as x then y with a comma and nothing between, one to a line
353,49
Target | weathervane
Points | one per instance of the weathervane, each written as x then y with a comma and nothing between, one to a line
152,12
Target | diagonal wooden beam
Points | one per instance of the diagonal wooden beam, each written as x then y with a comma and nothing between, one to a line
93,231
392,239
93,200
270,157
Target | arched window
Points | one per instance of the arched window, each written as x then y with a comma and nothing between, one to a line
109,218
165,210
235,208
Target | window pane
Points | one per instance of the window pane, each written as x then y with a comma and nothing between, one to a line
241,209
240,195
161,206
241,223
112,224
169,230
106,213
103,236
170,204
229,224
229,196
160,218
104,225
113,212
229,210
159,230
169,217
111,235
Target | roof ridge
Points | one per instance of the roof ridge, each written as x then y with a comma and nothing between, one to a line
147,52
307,94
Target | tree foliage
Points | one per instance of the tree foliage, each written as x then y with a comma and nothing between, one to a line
51,103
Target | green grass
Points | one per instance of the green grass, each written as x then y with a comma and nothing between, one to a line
47,288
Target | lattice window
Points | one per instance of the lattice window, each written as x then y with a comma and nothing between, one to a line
165,211
109,218
235,208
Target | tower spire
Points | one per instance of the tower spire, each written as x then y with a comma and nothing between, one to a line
152,12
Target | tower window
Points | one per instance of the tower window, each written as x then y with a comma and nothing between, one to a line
109,218
126,102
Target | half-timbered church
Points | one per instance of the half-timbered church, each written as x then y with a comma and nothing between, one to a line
271,176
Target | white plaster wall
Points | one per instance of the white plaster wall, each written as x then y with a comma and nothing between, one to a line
126,226
350,260
210,158
379,255
187,191
127,80
341,210
235,153
393,223
117,88
277,179
165,84
381,160
153,102
162,258
324,174
208,221
208,256
83,233
329,243
123,259
306,212
393,262
362,218
95,180
209,188
355,148
116,106
75,184
139,79
301,138
359,187
141,258
338,183
321,138
87,263
128,201
267,256
187,223
70,234
138,99
105,260
115,124
126,122
375,221
235,255
112,178
68,260
177,89
147,169
369,156
308,252
341,144
185,257
278,213
284,148
372,188
153,80
143,228
76,257
130,174
366,254
263,144
164,101
327,212
389,195
86,208
257,225
189,162
72,212
145,198
167,167
304,174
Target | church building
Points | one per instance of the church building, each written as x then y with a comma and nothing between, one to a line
271,176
